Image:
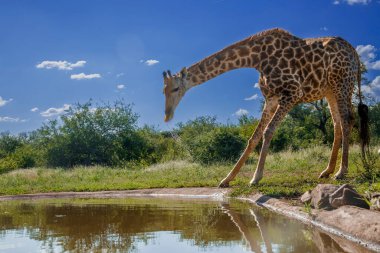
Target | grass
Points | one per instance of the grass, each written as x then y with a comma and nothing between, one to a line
307,208
287,174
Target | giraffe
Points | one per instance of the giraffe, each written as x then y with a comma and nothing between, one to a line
292,71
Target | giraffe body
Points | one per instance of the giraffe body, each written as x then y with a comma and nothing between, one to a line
292,70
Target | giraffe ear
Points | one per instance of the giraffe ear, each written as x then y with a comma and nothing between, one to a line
183,72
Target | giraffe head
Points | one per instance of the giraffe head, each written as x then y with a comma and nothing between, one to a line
174,89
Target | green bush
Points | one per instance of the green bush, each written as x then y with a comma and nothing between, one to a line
222,144
23,157
374,117
9,143
7,164
108,135
105,134
161,146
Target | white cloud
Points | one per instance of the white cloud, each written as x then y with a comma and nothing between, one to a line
120,86
366,52
373,89
367,55
352,2
375,84
93,109
253,97
84,76
119,75
256,85
10,119
241,112
62,65
151,62
55,111
324,28
366,89
34,109
4,101
375,65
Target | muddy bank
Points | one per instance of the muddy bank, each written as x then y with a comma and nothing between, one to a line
355,224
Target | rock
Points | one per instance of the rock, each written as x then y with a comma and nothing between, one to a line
355,221
328,196
346,195
320,196
306,197
375,201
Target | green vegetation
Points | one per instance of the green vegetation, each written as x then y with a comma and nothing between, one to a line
287,174
100,147
307,208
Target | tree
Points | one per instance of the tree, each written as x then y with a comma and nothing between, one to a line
105,134
321,113
9,143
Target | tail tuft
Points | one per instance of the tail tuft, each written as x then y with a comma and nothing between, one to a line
364,127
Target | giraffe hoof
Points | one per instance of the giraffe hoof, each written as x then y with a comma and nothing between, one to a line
254,182
224,185
339,176
256,179
324,174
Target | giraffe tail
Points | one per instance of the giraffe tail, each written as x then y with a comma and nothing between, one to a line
364,119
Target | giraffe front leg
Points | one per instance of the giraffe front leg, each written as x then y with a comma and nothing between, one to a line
269,107
278,116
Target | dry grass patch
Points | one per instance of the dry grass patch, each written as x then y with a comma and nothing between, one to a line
172,165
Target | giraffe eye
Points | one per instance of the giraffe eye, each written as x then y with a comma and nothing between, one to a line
175,90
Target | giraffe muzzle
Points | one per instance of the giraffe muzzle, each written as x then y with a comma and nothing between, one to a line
168,116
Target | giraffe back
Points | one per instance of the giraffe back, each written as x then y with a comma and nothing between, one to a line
308,68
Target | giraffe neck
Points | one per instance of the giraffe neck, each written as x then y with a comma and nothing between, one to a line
244,54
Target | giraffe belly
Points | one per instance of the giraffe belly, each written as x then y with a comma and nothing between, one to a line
312,97
313,91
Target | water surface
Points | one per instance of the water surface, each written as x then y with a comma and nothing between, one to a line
155,225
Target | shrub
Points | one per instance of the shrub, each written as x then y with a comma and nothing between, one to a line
9,143
23,157
160,146
223,144
105,134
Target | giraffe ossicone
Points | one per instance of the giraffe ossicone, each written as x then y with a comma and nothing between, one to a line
292,70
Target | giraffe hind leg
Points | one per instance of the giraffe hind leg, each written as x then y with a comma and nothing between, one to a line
346,116
337,137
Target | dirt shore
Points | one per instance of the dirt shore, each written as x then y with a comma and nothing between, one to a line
355,224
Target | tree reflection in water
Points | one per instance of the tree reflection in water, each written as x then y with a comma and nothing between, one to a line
93,225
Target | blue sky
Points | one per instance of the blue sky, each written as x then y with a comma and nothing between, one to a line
56,53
